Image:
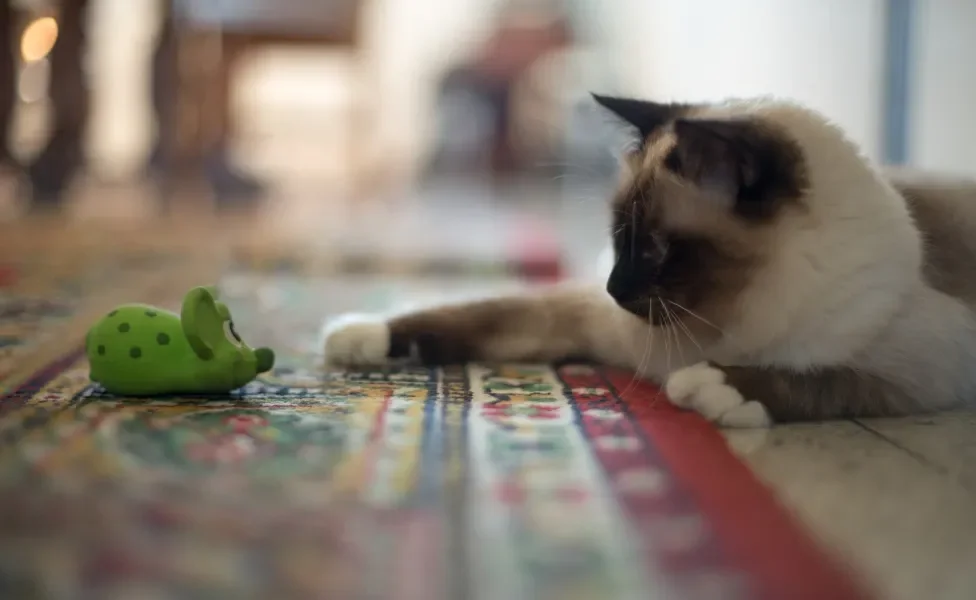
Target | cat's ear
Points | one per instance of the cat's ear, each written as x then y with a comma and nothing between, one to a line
742,163
643,116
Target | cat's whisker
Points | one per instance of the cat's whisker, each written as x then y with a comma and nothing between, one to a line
571,168
691,338
638,373
699,317
687,331
577,198
673,325
633,233
667,341
580,199
725,335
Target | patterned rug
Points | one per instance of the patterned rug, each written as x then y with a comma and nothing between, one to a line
506,481
488,481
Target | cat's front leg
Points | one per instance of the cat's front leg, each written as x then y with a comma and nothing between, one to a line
552,324
759,396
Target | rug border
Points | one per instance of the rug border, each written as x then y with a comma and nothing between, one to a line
756,530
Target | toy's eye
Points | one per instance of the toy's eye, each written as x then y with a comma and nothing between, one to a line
231,334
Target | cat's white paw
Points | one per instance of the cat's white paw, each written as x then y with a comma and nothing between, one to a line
356,340
702,388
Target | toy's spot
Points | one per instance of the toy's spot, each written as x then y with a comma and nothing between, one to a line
151,313
124,327
113,313
162,339
101,350
135,352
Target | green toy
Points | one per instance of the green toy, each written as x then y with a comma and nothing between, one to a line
140,350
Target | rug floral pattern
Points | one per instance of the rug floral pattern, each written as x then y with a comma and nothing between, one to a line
504,481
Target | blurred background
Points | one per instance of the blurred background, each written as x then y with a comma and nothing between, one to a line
373,97
314,157
439,112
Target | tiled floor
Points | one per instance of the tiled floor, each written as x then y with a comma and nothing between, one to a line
896,499
893,497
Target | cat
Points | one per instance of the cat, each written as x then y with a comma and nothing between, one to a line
764,272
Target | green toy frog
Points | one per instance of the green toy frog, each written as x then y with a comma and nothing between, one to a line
140,350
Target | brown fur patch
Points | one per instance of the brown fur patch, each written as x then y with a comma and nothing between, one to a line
821,394
534,327
945,210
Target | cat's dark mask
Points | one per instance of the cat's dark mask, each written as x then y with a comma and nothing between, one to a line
749,162
742,167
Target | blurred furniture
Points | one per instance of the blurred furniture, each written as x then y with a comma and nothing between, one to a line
524,36
214,35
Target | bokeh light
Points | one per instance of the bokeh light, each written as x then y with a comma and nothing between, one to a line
38,39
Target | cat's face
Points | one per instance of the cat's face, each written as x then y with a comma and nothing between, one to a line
700,201
762,220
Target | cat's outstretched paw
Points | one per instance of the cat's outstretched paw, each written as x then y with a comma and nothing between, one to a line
356,340
702,388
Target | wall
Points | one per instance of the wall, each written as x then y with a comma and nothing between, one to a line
824,53
943,127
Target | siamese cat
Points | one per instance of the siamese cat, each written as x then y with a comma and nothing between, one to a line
764,271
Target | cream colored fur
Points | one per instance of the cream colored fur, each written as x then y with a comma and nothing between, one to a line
848,284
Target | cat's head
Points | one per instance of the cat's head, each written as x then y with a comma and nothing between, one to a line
753,216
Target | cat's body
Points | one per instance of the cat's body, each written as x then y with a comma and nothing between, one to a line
763,271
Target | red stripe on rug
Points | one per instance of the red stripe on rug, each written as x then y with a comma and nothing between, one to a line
759,534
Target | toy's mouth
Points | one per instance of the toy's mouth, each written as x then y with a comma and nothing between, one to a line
265,358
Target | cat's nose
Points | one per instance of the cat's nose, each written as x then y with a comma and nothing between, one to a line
621,287
615,290
629,297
